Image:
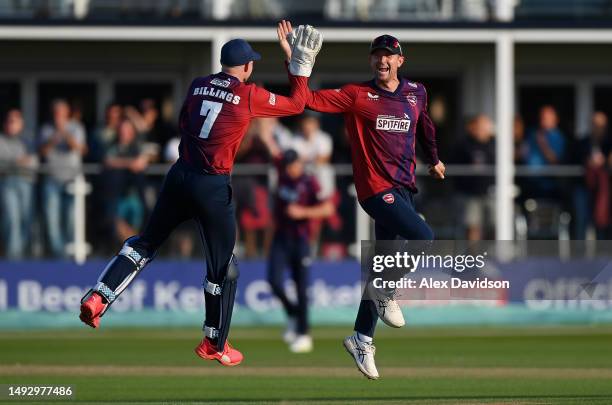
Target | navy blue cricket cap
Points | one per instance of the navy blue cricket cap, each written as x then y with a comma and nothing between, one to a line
388,42
238,52
289,156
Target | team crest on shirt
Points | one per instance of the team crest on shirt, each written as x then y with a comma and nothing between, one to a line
388,198
412,99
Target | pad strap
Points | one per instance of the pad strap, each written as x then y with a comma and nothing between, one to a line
132,254
212,288
211,333
105,291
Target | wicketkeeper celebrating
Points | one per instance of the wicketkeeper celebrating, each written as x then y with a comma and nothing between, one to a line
384,118
214,118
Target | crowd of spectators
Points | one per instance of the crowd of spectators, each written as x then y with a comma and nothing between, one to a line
38,169
586,198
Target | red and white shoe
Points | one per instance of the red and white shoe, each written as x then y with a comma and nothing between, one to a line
228,357
91,309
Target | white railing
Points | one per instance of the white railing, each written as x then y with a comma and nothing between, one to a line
79,248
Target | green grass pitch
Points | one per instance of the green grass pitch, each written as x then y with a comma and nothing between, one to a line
530,365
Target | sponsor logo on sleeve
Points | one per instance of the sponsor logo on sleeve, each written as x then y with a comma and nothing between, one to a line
272,99
373,96
388,198
392,124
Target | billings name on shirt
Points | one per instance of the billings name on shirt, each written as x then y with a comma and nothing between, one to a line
217,93
391,123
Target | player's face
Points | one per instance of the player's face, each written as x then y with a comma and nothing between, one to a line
385,65
295,169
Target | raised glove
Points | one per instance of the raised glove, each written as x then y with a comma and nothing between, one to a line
306,42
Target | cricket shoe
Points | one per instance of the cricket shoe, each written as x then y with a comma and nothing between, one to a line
91,310
228,357
363,354
386,306
301,344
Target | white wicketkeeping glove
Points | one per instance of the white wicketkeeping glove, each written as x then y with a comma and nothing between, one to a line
306,42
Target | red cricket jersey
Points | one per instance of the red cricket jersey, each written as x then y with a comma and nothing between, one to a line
383,127
216,114
301,191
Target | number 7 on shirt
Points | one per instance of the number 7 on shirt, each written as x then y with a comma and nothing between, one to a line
210,110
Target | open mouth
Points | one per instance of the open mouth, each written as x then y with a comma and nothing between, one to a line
383,69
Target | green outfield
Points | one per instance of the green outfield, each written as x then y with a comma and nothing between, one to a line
566,365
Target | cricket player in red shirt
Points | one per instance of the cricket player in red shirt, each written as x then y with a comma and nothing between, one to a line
296,203
384,118
213,120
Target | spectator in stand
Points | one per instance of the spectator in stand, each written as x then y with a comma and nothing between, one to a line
520,146
594,152
546,146
149,127
125,164
251,192
106,135
275,136
315,148
62,146
476,149
546,143
18,164
182,239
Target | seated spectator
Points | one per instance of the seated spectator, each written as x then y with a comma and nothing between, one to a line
18,166
125,164
62,145
475,149
546,145
594,152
